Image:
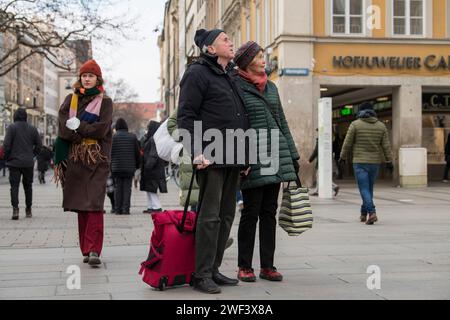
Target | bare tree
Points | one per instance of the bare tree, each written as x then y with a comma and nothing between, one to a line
121,92
44,27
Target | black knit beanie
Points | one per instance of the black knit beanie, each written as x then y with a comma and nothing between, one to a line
204,38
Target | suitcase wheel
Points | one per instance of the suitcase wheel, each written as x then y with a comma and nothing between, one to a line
191,283
162,284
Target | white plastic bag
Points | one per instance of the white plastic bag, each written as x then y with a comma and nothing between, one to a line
165,144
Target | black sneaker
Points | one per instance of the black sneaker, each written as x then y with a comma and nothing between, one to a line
15,215
206,285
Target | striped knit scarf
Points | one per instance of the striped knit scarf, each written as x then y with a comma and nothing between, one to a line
88,151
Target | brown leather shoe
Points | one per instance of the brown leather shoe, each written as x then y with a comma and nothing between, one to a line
28,213
15,215
372,219
363,218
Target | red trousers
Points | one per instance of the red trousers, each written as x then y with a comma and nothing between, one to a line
90,229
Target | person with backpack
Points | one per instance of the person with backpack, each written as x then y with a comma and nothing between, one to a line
125,160
22,144
153,177
368,140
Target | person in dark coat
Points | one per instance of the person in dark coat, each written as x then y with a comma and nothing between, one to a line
209,93
260,190
22,144
153,176
447,159
44,160
2,158
85,120
125,159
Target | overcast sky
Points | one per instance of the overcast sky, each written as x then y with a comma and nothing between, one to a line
137,61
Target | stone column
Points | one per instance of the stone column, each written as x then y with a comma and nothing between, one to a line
406,124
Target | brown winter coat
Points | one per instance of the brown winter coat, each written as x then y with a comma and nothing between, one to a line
85,184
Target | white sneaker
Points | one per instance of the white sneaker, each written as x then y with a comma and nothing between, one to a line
445,181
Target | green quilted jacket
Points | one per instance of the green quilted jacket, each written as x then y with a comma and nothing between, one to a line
368,140
265,112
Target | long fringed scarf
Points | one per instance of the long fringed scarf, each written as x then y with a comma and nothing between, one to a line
88,151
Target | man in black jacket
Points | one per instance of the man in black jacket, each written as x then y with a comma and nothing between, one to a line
209,94
22,144
125,159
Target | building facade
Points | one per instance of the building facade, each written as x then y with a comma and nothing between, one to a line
39,86
394,53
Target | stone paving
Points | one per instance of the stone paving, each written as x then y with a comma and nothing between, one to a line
410,245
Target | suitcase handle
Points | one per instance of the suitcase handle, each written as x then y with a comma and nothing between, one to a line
188,200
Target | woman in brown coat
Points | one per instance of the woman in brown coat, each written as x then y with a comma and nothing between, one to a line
85,120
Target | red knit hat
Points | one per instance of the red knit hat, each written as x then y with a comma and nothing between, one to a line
91,67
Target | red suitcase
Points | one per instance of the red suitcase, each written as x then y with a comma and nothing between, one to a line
171,261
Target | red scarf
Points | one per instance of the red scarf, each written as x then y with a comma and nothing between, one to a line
259,80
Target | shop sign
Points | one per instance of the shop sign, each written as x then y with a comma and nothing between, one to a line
431,62
294,72
436,102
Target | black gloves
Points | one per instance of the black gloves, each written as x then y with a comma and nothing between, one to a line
341,161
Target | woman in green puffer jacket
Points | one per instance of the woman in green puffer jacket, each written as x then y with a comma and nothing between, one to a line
260,191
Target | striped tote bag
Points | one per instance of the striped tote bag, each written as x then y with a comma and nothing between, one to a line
296,214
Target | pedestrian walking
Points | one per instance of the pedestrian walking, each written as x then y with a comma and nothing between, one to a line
315,156
82,157
368,139
260,191
110,193
44,159
2,159
337,148
22,144
125,160
153,177
447,159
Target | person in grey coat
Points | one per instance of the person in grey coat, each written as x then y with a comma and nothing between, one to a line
22,144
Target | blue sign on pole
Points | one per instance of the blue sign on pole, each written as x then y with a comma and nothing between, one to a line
294,72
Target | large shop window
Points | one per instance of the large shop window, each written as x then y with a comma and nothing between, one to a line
409,17
348,17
